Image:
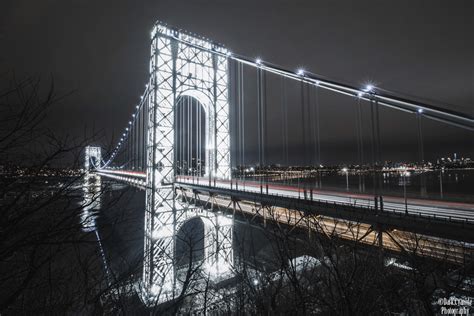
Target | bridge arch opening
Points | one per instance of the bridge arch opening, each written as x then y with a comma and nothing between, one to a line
192,240
192,135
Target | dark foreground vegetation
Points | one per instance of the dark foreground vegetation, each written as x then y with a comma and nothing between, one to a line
52,255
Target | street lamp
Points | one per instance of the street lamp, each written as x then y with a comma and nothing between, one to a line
346,171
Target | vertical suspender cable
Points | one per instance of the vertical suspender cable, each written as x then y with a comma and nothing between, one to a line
303,127
188,105
129,155
259,122
318,134
133,134
181,131
421,155
131,145
143,138
284,131
313,125
237,130
303,119
378,147
137,141
141,135
137,133
360,142
235,101
198,129
145,135
242,109
374,161
194,137
264,126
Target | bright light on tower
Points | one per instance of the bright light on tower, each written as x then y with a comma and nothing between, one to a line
369,88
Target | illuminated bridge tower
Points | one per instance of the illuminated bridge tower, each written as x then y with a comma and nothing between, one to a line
93,158
182,65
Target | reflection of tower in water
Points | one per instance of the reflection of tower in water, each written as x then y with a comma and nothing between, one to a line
91,205
92,201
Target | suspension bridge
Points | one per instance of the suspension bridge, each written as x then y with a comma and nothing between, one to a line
202,138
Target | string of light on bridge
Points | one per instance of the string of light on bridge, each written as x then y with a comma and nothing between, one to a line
124,137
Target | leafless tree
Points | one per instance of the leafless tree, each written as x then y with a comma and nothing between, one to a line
48,262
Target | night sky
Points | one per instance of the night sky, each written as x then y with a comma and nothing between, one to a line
100,51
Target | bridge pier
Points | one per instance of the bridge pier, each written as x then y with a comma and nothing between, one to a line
218,256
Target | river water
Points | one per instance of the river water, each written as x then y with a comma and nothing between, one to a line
446,185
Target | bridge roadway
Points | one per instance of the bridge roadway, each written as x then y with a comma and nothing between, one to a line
430,208
443,219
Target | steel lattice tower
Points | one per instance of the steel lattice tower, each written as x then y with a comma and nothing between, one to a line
181,65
